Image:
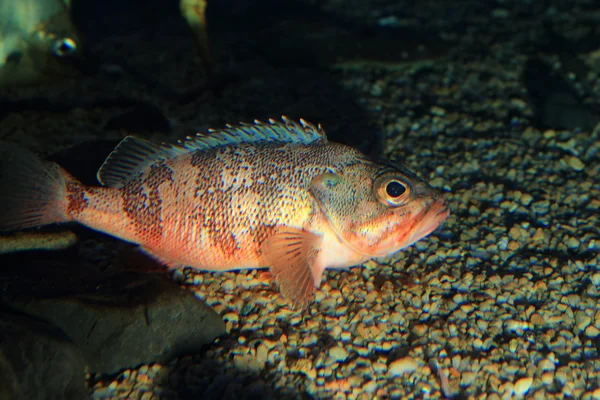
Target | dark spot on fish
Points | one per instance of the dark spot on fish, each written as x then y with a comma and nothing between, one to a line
143,204
262,232
228,244
198,159
77,202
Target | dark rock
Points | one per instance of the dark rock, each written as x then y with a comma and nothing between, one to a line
155,321
143,118
554,101
85,159
38,361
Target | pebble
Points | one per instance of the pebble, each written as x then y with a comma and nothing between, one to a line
547,377
575,163
339,354
592,332
522,386
402,366
500,13
582,320
596,279
438,111
572,243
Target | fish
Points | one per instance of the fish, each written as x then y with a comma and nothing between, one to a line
275,194
194,13
38,42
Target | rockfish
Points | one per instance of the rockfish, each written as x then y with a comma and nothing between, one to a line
273,194
38,42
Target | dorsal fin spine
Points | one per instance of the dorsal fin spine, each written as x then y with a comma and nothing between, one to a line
133,156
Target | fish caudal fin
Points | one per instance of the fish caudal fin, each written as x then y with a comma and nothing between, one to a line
291,254
32,191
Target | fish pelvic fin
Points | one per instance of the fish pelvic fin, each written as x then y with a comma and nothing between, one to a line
291,255
32,192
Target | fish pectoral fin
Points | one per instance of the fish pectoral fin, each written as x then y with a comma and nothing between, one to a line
291,255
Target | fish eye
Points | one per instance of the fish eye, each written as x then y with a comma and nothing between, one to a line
64,47
395,189
391,190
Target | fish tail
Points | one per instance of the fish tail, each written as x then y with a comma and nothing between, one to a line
33,192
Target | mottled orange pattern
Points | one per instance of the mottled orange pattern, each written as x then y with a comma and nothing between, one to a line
258,198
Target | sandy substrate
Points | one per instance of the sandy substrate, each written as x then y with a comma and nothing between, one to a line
500,302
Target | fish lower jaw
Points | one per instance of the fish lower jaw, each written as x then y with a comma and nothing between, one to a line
433,218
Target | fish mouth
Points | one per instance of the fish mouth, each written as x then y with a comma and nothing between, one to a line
431,218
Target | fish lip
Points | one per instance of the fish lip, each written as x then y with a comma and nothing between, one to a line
433,216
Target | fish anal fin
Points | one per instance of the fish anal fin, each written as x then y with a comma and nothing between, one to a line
291,254
131,157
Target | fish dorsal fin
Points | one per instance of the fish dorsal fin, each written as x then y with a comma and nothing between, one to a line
131,157
134,155
286,130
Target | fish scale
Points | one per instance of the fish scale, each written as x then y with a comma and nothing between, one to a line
273,195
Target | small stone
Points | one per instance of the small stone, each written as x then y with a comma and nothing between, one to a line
228,285
526,199
370,387
231,317
467,378
438,111
402,366
549,134
261,354
575,163
539,235
547,377
339,354
596,279
518,103
500,13
591,331
582,320
572,243
522,386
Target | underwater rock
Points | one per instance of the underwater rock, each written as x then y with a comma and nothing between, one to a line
38,361
314,38
155,322
554,101
142,118
27,241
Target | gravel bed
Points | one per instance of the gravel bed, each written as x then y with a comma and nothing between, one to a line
500,302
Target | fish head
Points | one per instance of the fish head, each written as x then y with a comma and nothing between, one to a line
378,209
40,44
